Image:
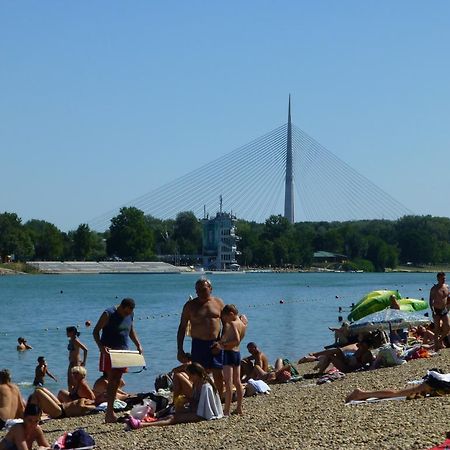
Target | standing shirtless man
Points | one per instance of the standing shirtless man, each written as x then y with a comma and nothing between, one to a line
203,313
439,299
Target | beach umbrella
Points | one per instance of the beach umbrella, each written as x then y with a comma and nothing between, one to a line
388,319
378,300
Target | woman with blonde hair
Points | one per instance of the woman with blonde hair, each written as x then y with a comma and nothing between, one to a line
80,387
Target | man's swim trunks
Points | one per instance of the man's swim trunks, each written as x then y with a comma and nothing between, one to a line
201,353
440,312
231,358
105,364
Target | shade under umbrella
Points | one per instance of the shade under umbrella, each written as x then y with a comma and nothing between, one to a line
388,319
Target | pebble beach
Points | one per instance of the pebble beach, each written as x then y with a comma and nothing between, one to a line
299,415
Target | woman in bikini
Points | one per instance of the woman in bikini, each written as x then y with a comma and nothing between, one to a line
74,346
51,406
80,387
22,435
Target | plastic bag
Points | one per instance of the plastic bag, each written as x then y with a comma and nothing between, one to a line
139,411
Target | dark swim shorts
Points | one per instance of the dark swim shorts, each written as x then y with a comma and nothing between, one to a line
201,353
440,312
2,424
231,358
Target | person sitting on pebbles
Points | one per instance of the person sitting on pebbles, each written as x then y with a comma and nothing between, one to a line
21,436
344,359
80,387
203,402
280,374
56,409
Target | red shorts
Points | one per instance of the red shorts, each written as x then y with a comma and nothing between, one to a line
105,364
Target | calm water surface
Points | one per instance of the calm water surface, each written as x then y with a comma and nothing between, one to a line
40,307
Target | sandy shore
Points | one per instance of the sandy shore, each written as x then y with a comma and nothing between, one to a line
299,415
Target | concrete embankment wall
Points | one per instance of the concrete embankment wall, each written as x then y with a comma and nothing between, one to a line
67,267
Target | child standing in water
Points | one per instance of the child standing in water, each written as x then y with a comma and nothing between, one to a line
232,335
40,372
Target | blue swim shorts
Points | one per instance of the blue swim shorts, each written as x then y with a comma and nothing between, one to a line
231,358
201,353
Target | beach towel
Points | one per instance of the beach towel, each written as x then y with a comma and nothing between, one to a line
374,400
443,446
330,376
256,387
209,405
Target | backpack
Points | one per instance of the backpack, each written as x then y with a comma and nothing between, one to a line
79,439
163,381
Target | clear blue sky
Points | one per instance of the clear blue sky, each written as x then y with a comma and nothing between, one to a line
103,101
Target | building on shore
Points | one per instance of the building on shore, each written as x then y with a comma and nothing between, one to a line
219,249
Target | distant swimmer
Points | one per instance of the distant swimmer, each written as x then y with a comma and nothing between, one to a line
40,372
23,345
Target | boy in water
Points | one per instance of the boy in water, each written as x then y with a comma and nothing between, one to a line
40,372
232,335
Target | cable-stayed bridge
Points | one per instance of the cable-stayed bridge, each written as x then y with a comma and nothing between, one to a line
281,172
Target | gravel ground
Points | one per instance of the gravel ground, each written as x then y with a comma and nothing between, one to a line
298,415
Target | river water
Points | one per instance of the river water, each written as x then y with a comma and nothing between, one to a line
289,314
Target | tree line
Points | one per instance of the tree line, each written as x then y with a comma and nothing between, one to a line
370,245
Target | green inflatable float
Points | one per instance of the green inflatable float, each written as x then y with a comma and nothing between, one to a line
378,300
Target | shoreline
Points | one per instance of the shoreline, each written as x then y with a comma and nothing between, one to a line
299,415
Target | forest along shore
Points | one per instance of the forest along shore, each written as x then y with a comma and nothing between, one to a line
299,415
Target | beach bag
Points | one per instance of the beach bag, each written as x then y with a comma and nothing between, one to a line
389,356
79,439
163,381
139,411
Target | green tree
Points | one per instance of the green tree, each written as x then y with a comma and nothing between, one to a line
14,240
48,240
188,233
130,237
82,242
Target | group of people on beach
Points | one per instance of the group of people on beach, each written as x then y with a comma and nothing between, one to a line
216,332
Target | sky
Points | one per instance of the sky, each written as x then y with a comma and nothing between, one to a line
103,101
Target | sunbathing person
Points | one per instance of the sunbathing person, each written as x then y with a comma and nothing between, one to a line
256,358
22,435
316,356
425,335
346,361
433,384
280,374
204,402
55,409
80,388
11,402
